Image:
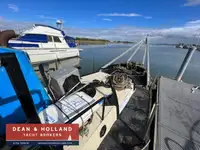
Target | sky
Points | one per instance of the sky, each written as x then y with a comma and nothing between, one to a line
168,21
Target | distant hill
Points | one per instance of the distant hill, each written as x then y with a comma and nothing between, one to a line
83,41
124,42
90,39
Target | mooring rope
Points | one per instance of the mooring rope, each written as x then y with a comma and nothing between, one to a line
120,80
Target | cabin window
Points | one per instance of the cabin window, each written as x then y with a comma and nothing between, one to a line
50,39
56,39
70,41
34,38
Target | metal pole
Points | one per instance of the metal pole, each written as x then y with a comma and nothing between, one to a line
148,63
106,65
134,52
144,57
185,63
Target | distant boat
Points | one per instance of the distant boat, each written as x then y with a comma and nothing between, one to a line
179,45
185,47
46,43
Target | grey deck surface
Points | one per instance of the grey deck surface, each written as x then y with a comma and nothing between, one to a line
178,125
132,119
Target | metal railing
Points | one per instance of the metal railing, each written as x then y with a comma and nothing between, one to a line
146,57
115,59
185,63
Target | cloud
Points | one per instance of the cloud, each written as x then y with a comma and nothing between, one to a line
120,15
124,15
196,22
46,17
184,33
14,25
14,7
107,19
192,3
148,17
172,35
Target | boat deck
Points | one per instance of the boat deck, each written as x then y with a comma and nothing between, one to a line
129,128
178,116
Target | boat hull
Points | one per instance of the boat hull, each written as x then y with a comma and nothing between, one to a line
39,55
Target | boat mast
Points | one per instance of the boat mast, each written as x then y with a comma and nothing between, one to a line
144,56
147,61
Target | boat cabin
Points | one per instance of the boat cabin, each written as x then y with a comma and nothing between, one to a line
41,35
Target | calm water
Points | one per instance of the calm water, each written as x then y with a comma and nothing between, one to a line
164,60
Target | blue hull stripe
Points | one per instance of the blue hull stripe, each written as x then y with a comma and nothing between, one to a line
22,45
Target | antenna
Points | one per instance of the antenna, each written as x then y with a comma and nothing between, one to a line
59,24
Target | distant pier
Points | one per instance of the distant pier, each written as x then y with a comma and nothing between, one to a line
187,46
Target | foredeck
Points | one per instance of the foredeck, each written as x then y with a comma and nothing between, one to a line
178,116
129,129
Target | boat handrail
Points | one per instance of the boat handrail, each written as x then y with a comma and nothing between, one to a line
115,59
148,62
185,63
146,56
134,52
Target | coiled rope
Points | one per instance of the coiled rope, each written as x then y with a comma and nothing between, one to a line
121,80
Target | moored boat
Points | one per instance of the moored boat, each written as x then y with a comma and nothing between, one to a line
45,43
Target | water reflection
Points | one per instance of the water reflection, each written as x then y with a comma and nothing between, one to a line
164,60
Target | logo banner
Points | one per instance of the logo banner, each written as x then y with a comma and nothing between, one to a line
42,134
